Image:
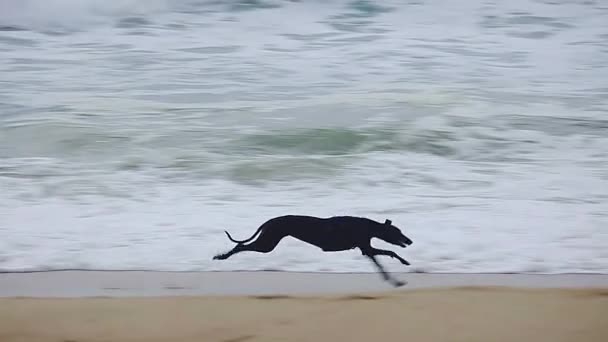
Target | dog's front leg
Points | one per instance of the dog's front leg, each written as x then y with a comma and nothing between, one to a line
385,275
391,254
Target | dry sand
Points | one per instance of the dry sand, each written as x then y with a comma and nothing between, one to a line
568,311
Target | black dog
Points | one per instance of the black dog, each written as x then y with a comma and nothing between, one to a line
332,234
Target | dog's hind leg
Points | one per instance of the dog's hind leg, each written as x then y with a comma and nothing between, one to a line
265,243
238,248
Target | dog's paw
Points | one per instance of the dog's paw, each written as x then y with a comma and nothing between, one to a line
399,283
219,257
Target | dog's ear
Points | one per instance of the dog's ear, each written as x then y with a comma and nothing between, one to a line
388,222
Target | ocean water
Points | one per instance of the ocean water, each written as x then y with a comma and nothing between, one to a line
133,132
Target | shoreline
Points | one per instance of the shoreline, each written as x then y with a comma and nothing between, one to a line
81,283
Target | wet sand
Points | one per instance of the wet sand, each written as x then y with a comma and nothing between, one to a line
278,306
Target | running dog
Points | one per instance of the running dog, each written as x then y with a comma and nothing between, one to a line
338,233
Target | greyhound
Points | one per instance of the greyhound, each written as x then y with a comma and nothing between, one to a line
338,233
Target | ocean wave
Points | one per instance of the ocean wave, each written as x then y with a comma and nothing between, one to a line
132,132
66,16
87,143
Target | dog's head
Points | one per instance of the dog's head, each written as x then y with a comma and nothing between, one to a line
392,234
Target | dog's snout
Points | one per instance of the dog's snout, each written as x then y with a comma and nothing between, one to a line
406,241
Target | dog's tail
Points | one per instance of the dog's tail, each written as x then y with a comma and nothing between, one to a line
244,241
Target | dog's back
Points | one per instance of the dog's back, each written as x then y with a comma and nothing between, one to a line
335,233
341,225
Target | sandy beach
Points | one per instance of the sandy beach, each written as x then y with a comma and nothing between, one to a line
278,306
